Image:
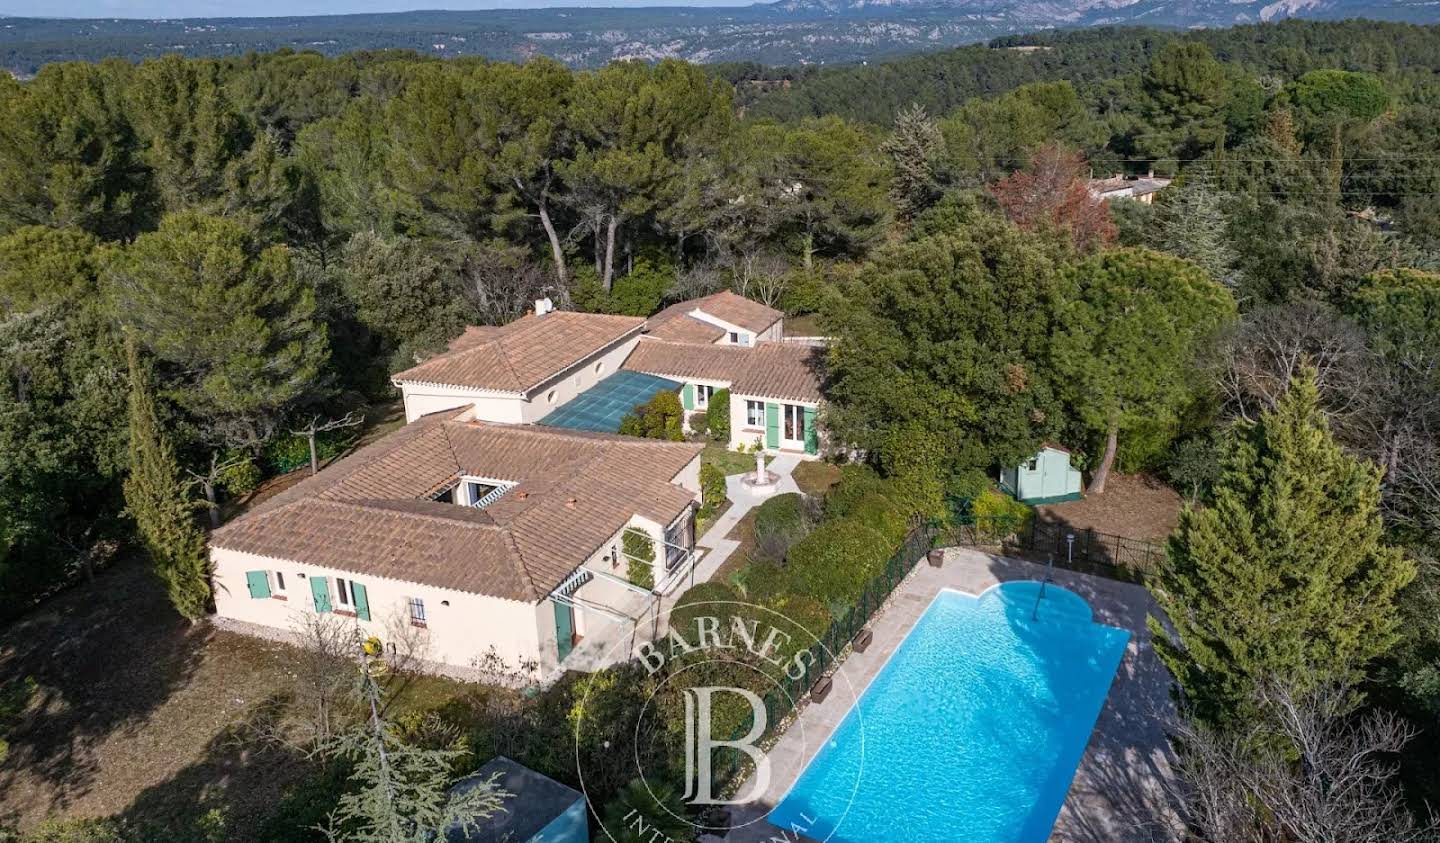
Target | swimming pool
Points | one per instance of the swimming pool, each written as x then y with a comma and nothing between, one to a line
973,729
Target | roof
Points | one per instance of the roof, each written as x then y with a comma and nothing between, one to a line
536,801
677,324
604,405
373,512
524,354
783,371
1135,187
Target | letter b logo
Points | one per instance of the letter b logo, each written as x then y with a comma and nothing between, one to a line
700,746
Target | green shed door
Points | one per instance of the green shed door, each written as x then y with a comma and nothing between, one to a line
812,436
320,590
362,600
259,583
687,396
772,425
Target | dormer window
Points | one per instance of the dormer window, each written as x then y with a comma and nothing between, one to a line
480,493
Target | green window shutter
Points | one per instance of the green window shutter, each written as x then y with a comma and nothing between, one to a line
812,436
362,600
687,396
772,425
259,583
320,590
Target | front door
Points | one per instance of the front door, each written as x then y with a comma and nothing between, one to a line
564,629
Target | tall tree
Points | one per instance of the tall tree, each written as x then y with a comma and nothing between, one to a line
913,147
232,318
1186,92
1127,340
1287,576
1191,225
1052,192
155,495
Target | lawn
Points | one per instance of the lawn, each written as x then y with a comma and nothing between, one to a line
141,715
730,462
807,325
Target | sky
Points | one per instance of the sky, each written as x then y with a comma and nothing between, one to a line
271,8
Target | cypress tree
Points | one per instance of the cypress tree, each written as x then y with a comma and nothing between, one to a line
1287,576
155,496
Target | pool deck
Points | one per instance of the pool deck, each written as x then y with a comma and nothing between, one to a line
1119,792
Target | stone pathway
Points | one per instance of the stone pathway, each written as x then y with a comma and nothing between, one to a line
1118,792
719,548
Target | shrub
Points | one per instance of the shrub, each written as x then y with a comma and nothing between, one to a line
640,558
284,454
241,478
712,487
708,599
782,512
719,415
997,515
856,481
764,582
807,613
835,562
700,423
882,515
658,418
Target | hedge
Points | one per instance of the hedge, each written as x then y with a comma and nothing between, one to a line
719,415
781,513
834,562
764,582
708,599
712,487
882,515
997,515
856,482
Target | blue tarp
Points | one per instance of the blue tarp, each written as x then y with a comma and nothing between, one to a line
601,407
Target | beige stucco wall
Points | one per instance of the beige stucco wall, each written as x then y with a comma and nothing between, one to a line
455,635
423,399
743,434
576,380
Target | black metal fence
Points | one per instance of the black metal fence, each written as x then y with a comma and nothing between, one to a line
1090,551
731,766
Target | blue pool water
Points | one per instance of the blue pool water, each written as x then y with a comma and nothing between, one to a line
973,729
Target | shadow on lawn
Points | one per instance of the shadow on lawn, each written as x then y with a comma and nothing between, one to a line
105,655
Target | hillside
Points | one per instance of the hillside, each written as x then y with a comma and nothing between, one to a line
788,32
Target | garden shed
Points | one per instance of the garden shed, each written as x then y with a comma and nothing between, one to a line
1045,478
541,808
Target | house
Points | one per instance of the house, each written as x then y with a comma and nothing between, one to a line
540,809
723,318
1045,478
519,372
480,541
1119,186
774,387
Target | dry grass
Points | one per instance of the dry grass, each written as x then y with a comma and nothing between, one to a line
807,325
140,714
1133,505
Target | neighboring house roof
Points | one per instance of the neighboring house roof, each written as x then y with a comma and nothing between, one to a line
1128,186
373,513
524,354
783,371
678,324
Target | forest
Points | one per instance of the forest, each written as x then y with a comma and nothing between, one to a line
234,253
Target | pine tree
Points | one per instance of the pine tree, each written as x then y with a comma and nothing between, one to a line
1191,225
1286,578
402,793
913,148
155,496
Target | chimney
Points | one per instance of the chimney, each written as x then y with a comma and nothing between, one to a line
1150,174
549,305
540,307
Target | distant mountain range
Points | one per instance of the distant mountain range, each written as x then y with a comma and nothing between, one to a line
788,32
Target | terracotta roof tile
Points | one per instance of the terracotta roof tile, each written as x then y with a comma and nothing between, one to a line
523,354
783,371
677,324
371,513
738,310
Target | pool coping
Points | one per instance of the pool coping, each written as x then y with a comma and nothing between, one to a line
1119,792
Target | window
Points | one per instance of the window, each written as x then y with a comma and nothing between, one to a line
417,611
550,397
794,422
599,367
342,592
279,582
1032,464
755,413
735,337
702,395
